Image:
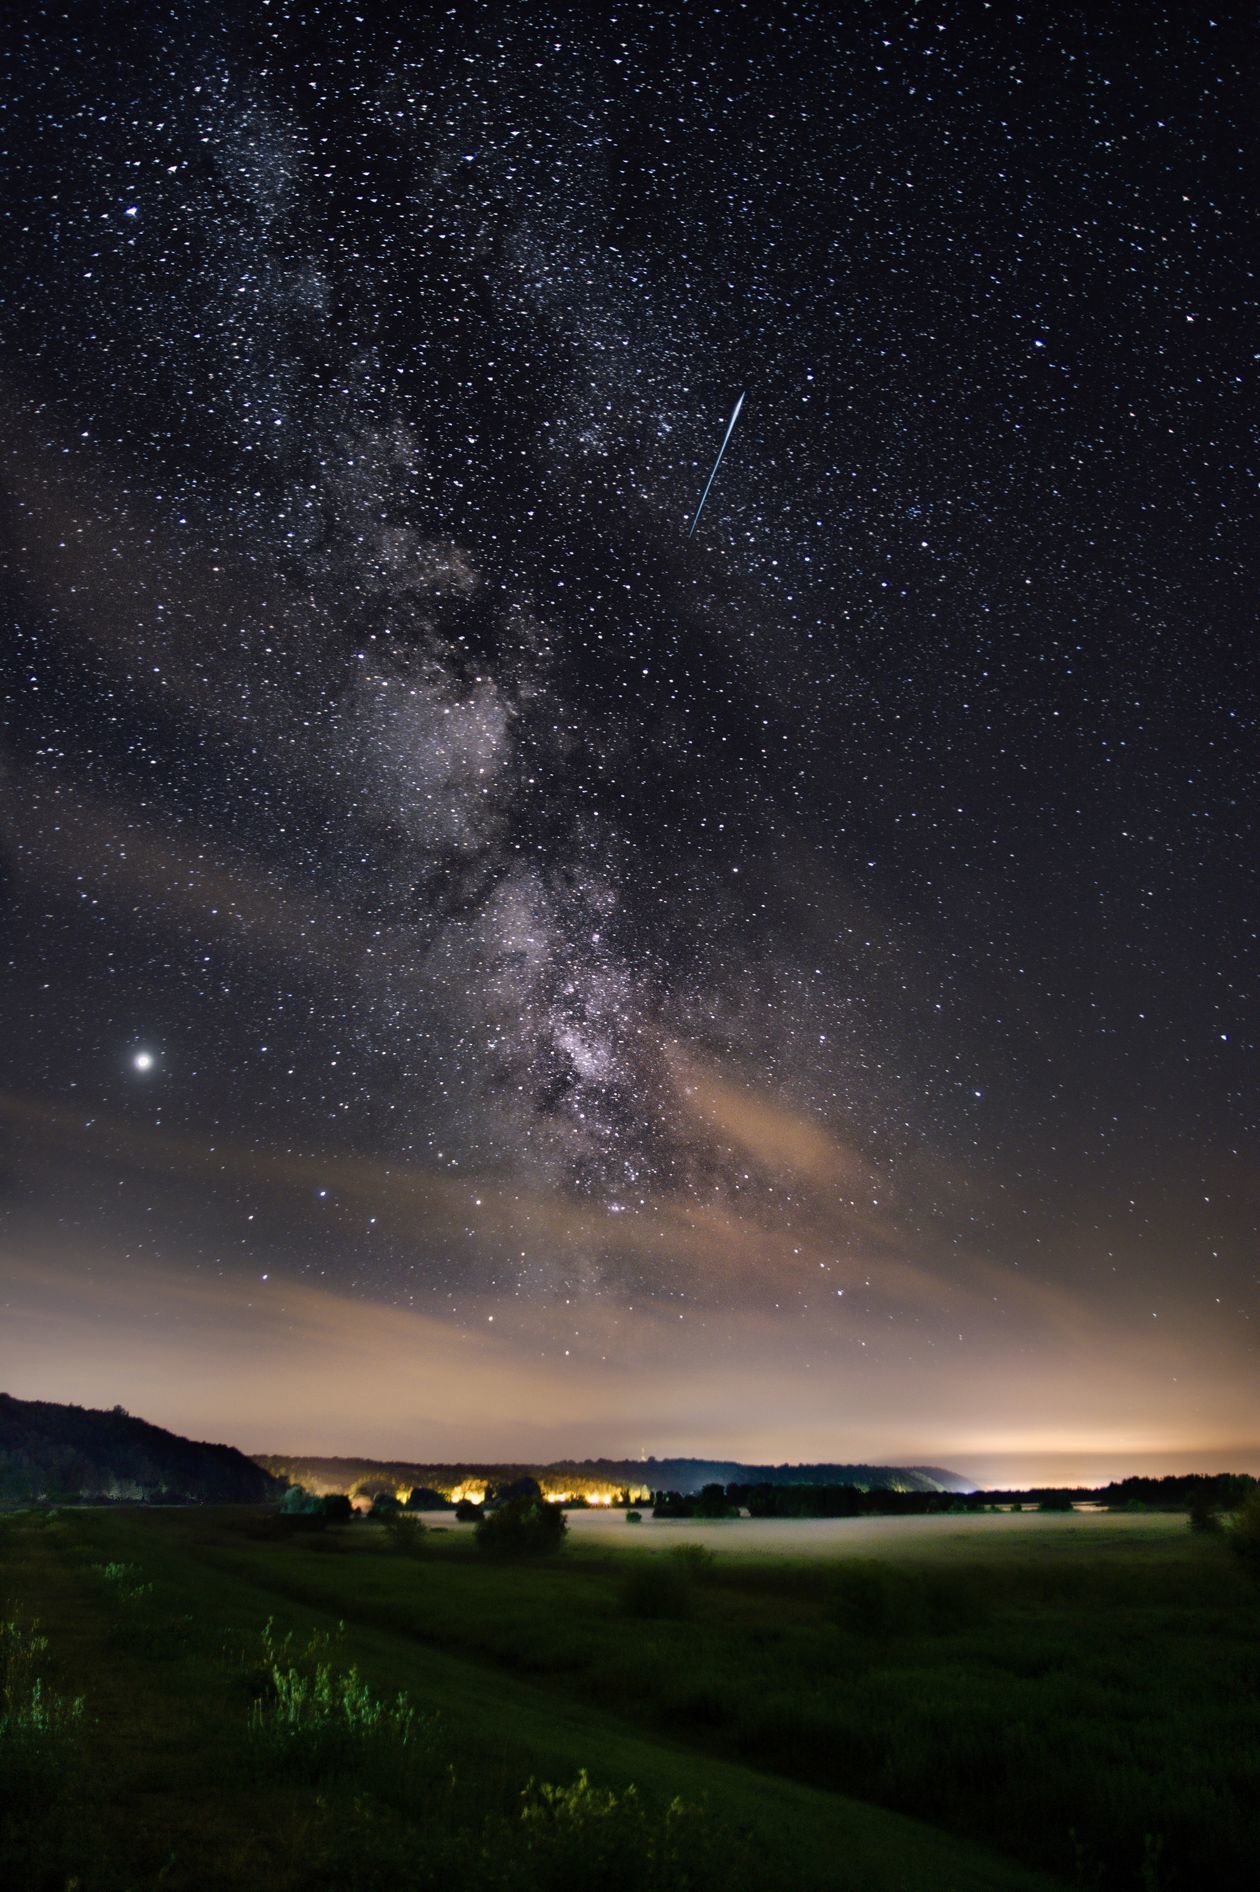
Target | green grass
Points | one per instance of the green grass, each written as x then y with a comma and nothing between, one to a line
1079,1705
41,1736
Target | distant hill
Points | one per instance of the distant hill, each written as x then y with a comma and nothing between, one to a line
65,1452
592,1477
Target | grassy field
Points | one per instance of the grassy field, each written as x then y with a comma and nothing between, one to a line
978,1703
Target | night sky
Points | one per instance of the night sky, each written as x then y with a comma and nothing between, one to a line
487,972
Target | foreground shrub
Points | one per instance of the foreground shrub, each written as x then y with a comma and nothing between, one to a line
580,1836
302,1707
320,1725
525,1527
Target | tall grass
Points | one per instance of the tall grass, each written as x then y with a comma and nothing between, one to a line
124,1582
21,1649
139,1623
314,1722
32,1715
320,1726
40,1732
578,1836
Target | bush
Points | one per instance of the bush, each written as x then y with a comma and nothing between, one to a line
695,1559
406,1535
300,1503
320,1723
655,1588
384,1505
1244,1533
525,1527
1203,1515
634,1517
466,1512
337,1508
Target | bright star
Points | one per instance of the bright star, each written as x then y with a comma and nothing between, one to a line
142,1060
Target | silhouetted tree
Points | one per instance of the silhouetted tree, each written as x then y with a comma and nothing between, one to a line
713,1503
519,1488
424,1498
524,1527
297,1503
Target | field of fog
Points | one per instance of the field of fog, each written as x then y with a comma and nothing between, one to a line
601,1529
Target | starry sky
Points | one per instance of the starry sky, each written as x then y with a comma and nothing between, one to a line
485,971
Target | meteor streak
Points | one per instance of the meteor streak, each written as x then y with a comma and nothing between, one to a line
730,429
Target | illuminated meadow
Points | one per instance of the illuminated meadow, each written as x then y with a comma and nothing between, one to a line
989,1702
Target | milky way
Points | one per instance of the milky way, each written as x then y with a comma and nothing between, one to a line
861,888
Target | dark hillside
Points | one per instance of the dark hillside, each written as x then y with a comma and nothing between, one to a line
73,1452
593,1477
